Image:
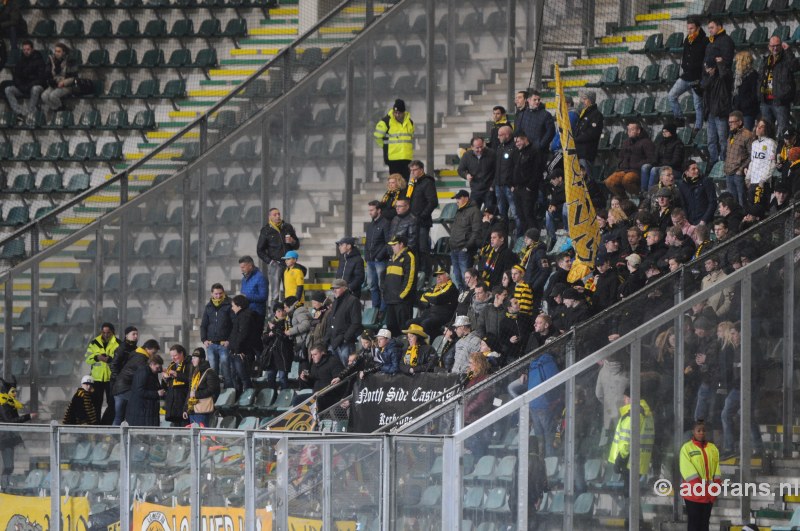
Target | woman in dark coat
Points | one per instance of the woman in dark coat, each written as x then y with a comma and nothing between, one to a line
204,384
177,378
9,413
146,392
278,348
243,343
419,356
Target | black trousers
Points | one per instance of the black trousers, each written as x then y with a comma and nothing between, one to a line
698,515
104,389
397,315
525,201
401,167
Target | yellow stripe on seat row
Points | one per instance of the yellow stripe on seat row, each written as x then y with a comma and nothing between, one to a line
652,16
595,61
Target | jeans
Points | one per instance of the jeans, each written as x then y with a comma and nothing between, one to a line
120,405
646,169
13,93
461,260
717,129
505,202
51,98
343,352
217,356
706,400
749,122
730,412
735,185
275,280
778,114
374,272
200,418
283,381
544,428
679,88
550,219
240,373
652,178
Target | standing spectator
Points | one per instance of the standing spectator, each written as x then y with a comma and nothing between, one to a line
99,354
204,384
487,310
278,353
254,285
244,343
323,370
544,408
620,452
636,153
694,49
520,103
720,44
777,83
405,223
394,133
606,283
515,327
555,144
146,392
300,326
399,285
177,378
276,238
538,125
122,386
344,321
468,342
498,259
30,78
556,198
745,89
698,195
737,158
441,304
762,161
376,252
62,73
395,189
477,166
504,172
535,262
526,182
215,331
669,153
717,88
121,356
589,128
12,25
351,265
320,315
294,276
699,464
81,410
465,236
10,409
421,192
499,119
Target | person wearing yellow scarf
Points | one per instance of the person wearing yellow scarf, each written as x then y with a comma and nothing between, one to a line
9,413
419,356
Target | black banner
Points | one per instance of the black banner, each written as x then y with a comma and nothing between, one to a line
381,399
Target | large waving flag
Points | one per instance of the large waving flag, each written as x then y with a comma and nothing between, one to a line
583,228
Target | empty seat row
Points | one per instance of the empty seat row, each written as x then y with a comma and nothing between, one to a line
59,151
20,215
145,4
128,58
51,183
118,120
130,29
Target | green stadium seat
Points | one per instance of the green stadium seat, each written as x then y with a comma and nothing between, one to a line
152,58
630,75
23,183
237,28
51,183
126,58
654,43
29,151
7,119
44,29
76,4
18,215
84,151
206,58
179,58
687,105
190,152
210,27
701,140
144,120
6,150
130,4
662,107
759,37
610,77
735,8
155,29
625,106
606,107
100,29
98,59
739,37
757,7
89,120
116,120
103,4
674,42
111,151
447,214
182,28
35,120
120,88
796,34
63,120
175,88
149,88
646,106
650,74
72,29
13,251
784,7
57,151
670,74
783,33
685,134
223,120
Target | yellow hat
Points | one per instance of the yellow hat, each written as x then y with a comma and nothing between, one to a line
416,330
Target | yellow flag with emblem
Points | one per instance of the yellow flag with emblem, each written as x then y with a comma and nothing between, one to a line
582,219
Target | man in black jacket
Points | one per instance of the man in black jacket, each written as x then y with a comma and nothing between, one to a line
344,322
421,192
499,258
376,252
400,285
537,123
324,368
215,330
465,236
477,166
504,172
720,44
351,265
276,237
405,223
694,50
777,84
526,182
30,78
442,301
589,128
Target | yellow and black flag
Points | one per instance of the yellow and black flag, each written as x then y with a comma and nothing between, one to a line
583,228
301,418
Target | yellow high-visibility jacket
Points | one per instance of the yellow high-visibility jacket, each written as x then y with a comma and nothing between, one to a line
396,136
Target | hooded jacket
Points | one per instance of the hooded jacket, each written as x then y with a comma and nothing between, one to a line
465,232
300,326
217,321
424,200
351,269
669,152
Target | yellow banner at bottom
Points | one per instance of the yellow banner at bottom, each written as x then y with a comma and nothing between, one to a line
29,512
152,517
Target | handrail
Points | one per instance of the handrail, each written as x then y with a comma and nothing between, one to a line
519,363
51,216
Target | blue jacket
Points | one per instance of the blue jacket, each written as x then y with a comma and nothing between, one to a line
699,198
555,145
256,289
389,359
543,368
538,125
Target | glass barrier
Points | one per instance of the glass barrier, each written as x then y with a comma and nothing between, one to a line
25,458
418,486
222,461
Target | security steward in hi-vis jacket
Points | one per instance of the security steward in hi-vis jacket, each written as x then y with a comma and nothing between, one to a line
394,133
98,356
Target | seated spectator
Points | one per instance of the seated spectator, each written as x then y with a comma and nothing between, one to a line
636,157
617,223
701,240
30,78
387,355
535,262
669,153
635,243
679,220
698,195
490,348
419,356
488,309
361,360
737,158
666,180
62,78
522,292
732,211
471,279
656,248
577,309
634,278
441,304
664,212
779,200
606,283
556,205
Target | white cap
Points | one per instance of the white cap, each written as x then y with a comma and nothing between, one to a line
383,332
87,379
462,320
634,259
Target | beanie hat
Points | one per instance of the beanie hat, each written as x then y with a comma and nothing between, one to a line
131,329
399,105
671,127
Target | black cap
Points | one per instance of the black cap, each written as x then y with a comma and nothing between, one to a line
782,188
789,133
460,194
200,352
671,127
399,105
318,296
570,293
348,240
